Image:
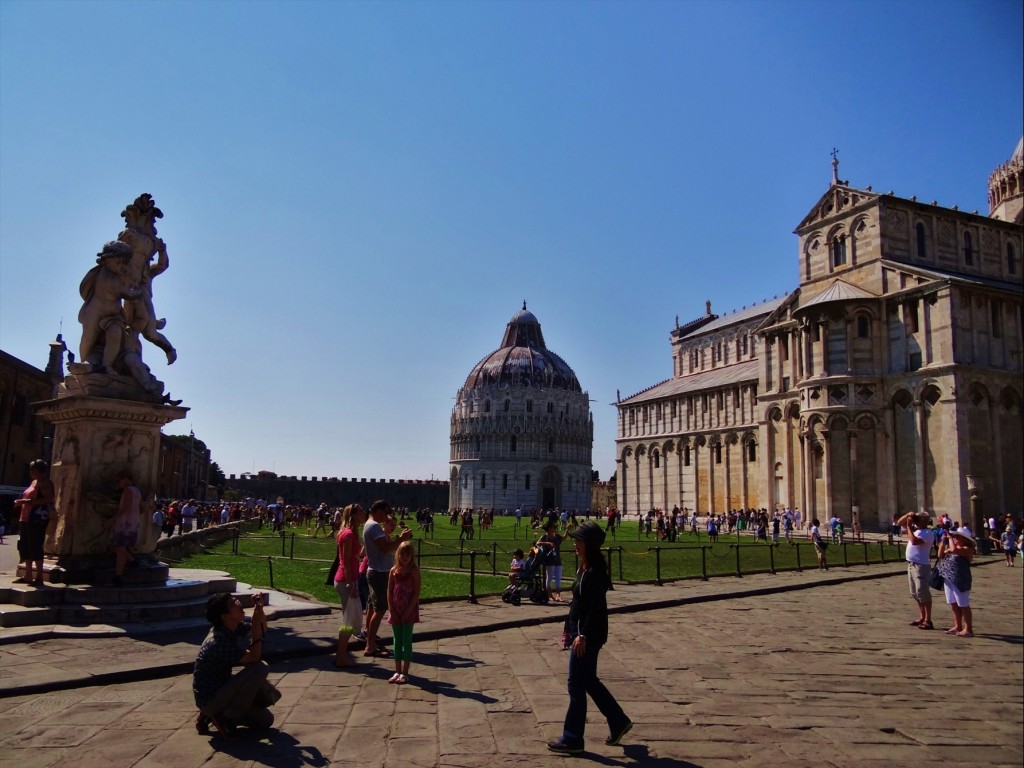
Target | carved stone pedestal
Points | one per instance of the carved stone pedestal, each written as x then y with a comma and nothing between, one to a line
95,438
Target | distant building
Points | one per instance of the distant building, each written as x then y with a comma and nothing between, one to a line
24,436
889,380
412,494
521,429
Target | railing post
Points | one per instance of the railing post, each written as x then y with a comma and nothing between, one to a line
291,555
462,546
282,543
657,565
234,544
865,543
270,567
846,560
881,548
771,557
419,550
620,564
609,550
472,576
494,559
798,567
703,562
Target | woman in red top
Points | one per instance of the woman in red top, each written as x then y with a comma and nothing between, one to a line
346,581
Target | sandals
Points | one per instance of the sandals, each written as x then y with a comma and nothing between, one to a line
965,633
379,653
953,631
926,625
915,623
394,678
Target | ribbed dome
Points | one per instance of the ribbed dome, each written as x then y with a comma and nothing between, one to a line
523,360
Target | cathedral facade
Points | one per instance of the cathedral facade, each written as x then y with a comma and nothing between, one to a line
888,380
521,429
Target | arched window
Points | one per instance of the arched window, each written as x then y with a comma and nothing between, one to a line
512,444
686,456
718,454
968,249
527,483
483,481
504,482
487,406
838,251
472,406
1011,260
751,451
551,445
551,407
507,406
657,460
922,249
529,406
863,327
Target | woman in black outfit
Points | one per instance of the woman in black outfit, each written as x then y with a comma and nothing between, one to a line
588,628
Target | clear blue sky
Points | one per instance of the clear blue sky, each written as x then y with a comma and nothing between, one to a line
358,196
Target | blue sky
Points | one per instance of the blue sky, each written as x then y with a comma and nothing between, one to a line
358,196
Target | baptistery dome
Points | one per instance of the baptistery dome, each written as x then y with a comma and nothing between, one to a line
521,429
523,359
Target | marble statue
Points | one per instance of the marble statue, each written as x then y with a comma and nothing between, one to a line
118,312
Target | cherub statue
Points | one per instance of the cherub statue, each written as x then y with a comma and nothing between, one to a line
102,316
140,234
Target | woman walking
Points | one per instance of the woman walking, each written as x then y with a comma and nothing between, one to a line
819,545
588,630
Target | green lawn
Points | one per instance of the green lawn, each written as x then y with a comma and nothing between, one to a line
300,563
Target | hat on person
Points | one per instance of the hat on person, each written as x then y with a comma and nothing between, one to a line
589,533
964,533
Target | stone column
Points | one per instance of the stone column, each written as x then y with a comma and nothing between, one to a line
95,438
826,466
922,501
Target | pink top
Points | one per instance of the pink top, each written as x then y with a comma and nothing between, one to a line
348,563
403,597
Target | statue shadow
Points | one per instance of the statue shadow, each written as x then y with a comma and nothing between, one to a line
1011,639
272,748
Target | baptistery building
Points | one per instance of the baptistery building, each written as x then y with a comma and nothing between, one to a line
521,429
888,380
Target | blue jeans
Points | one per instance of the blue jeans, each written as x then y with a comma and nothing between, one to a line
583,681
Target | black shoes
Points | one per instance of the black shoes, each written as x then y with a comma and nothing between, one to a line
563,747
203,725
615,738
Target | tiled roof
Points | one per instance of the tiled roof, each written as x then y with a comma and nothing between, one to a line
958,277
717,377
741,316
839,290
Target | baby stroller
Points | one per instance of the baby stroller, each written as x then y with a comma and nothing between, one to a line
529,582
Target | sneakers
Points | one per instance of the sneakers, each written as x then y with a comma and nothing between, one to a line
225,727
616,737
563,747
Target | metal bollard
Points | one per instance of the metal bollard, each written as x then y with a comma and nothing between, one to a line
472,576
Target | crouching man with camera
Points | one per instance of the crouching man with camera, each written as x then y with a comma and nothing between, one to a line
226,700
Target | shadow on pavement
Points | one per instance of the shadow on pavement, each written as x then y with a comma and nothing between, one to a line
447,689
1011,639
638,754
275,748
445,661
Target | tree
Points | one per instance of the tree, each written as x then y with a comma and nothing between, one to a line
217,478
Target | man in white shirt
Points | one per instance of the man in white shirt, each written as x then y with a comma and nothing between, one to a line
188,516
919,568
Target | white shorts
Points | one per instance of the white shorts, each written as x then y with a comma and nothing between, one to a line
955,597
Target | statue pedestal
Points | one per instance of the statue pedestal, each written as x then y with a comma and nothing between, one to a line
96,437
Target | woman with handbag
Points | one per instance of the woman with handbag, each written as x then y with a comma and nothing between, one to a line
346,582
956,551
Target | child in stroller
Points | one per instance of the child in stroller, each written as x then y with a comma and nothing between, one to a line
528,580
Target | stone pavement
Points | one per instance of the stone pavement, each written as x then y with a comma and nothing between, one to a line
796,669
